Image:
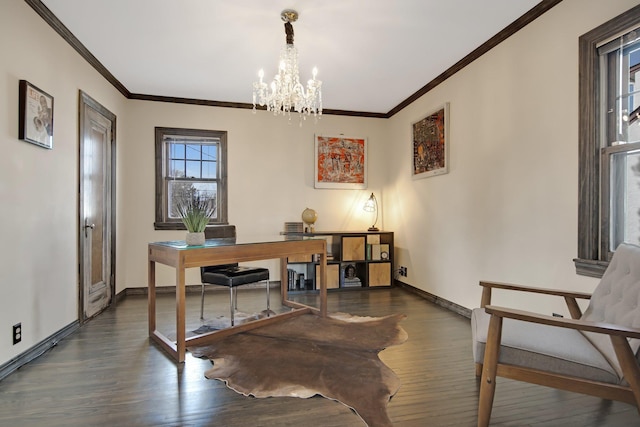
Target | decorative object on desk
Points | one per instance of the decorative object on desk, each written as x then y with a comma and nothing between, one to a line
335,357
286,94
431,144
340,162
293,227
309,216
371,205
195,211
35,115
293,230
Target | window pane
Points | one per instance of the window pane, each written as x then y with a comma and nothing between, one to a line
193,169
633,130
194,151
210,152
177,151
209,170
625,198
177,169
623,74
179,190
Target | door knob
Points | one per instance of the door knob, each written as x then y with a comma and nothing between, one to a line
87,225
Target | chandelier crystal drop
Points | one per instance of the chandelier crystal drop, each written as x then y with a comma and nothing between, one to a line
286,94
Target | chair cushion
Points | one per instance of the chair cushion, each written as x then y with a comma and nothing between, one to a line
616,300
234,275
548,348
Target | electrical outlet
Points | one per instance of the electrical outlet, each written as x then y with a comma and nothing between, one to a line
17,333
403,271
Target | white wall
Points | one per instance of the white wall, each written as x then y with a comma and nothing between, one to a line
270,177
507,210
38,187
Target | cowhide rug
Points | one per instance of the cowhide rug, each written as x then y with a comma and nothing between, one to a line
335,357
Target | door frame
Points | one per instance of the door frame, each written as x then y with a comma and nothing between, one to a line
86,100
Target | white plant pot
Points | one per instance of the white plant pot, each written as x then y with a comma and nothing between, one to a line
195,239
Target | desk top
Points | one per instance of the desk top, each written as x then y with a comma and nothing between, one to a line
230,241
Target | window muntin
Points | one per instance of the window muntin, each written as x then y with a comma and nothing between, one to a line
188,163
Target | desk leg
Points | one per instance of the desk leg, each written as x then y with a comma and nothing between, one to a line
284,280
180,314
152,297
323,284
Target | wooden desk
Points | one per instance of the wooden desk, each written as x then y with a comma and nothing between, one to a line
224,251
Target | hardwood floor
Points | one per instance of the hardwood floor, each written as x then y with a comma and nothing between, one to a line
109,374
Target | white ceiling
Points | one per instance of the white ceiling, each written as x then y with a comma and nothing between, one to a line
371,54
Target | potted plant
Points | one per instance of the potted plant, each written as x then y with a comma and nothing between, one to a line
195,212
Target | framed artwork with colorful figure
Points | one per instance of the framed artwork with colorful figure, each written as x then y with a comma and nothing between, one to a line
430,154
340,162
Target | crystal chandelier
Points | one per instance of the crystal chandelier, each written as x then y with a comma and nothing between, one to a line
286,94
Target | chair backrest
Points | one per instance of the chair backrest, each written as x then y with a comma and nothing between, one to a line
224,232
616,299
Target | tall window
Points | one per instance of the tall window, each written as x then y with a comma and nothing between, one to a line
620,154
609,211
189,163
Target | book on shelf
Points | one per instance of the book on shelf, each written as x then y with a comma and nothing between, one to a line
376,250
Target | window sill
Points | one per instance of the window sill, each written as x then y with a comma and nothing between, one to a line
590,267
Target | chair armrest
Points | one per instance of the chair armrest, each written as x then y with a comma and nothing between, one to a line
581,325
569,296
547,291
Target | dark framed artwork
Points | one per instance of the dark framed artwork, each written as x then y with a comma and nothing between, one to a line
430,154
35,116
340,162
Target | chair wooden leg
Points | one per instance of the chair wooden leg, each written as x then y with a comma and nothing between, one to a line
490,367
478,370
628,363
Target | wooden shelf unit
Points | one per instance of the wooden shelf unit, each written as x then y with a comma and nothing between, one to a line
355,260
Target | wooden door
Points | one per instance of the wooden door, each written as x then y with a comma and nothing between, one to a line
96,221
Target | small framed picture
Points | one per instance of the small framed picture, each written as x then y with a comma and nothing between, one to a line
431,144
35,115
351,275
